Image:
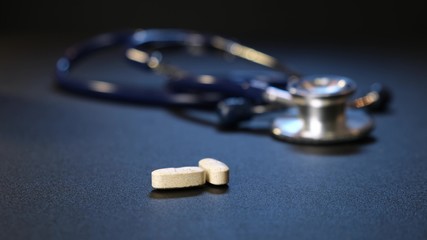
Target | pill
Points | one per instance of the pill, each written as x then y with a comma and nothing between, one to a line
216,172
166,178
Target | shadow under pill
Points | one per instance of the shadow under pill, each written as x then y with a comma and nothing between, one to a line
176,193
187,192
214,189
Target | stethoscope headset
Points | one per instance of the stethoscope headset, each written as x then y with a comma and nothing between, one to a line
320,110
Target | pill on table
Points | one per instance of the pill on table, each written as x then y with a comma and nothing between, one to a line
182,177
216,172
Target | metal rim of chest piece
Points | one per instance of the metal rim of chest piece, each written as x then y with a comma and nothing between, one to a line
321,114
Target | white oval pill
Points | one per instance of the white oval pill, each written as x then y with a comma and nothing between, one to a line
182,177
217,172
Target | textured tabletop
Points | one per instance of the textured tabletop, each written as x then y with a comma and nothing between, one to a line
79,168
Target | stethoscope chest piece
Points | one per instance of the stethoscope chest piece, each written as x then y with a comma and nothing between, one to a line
322,114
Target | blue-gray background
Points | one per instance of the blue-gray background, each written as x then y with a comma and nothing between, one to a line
79,168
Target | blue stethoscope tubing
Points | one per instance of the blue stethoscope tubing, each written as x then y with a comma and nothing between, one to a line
183,89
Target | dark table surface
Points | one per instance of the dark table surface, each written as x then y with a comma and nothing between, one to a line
79,168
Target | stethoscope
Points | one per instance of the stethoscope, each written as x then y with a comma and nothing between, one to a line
319,107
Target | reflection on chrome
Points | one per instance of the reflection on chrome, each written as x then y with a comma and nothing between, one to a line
103,87
252,55
142,57
206,79
243,52
366,100
137,55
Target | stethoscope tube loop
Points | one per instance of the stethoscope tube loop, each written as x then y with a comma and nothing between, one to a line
104,89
